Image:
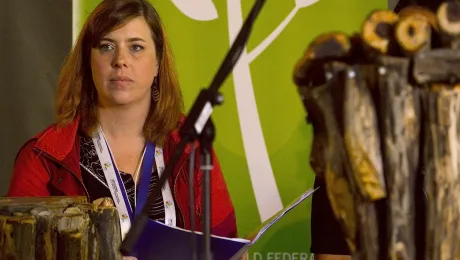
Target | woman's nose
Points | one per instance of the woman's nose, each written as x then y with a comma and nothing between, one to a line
120,59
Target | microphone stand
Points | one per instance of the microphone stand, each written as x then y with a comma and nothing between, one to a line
206,139
197,125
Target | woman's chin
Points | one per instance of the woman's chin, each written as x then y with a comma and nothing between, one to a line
123,99
123,102
116,102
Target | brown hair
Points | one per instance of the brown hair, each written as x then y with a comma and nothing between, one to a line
75,84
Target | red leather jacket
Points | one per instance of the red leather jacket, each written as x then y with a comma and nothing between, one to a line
48,165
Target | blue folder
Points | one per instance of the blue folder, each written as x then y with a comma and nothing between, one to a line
159,241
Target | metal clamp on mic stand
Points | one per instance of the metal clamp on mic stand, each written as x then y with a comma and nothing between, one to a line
197,125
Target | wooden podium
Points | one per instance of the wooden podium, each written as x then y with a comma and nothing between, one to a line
58,228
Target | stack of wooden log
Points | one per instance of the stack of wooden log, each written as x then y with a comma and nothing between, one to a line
58,228
385,108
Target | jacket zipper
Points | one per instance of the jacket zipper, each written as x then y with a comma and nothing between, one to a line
65,167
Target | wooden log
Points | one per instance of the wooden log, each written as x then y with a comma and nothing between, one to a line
7,248
104,202
441,157
45,237
399,114
448,18
413,31
334,45
64,228
377,31
317,154
439,65
338,188
43,201
356,213
368,244
93,244
309,73
72,232
361,141
420,11
308,70
361,134
17,240
107,232
104,235
25,204
71,245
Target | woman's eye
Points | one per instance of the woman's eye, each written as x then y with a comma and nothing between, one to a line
137,48
105,47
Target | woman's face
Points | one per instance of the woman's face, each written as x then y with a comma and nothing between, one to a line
124,65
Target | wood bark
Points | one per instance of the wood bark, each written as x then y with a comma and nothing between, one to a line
413,31
385,112
46,239
308,70
107,230
360,131
58,228
17,236
377,31
399,114
441,157
331,152
361,139
353,182
448,17
439,65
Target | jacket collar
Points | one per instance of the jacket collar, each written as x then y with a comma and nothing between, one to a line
58,142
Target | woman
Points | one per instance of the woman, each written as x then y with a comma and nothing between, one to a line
119,104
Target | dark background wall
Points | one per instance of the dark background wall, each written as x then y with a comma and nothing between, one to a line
35,37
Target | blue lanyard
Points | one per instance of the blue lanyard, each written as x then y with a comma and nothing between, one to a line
146,174
144,182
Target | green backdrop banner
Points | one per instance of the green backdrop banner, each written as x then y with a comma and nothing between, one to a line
263,141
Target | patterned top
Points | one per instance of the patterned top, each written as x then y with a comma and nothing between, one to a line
96,184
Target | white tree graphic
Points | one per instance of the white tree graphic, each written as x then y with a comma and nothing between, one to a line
263,181
200,10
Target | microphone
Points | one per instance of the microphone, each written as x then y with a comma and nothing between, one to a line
197,125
